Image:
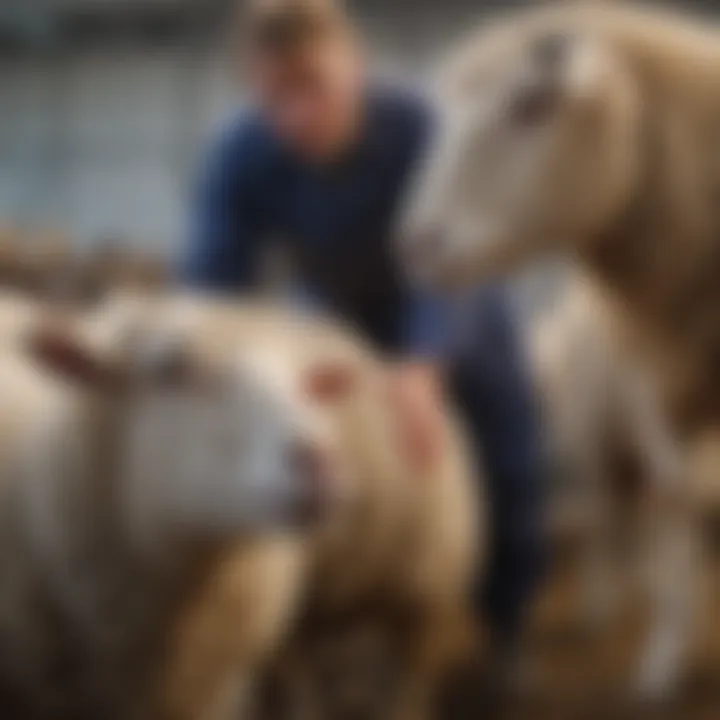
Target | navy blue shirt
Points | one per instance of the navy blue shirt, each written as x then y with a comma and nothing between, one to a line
336,220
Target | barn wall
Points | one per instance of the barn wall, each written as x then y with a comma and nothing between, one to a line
103,139
100,142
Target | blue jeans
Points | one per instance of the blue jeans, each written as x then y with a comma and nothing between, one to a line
490,384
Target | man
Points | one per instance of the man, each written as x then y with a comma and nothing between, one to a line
323,163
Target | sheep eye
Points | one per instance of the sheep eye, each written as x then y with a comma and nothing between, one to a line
533,104
548,52
538,96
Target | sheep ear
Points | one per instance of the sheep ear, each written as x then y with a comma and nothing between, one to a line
585,68
565,65
62,353
546,83
330,382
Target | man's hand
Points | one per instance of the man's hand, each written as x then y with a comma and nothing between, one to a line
416,393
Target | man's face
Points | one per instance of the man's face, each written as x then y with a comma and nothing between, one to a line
312,96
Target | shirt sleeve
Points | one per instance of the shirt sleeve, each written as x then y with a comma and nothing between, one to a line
426,315
426,321
227,226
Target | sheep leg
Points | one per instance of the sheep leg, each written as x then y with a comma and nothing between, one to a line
234,625
437,643
600,596
671,576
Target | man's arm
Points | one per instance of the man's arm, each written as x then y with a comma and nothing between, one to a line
426,326
417,382
425,320
228,224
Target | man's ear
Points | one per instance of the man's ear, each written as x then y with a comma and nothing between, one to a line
331,381
59,351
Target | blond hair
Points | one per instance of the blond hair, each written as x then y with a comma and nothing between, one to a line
279,26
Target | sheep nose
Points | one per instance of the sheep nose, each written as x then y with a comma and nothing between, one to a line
312,468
